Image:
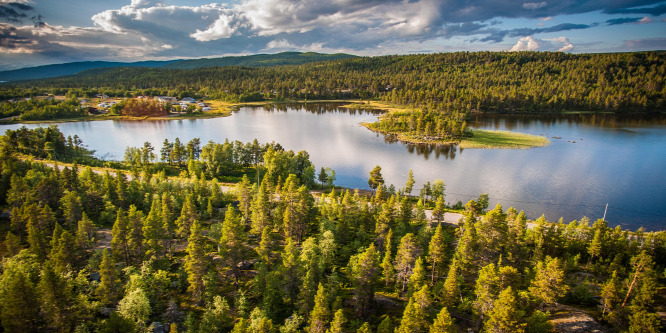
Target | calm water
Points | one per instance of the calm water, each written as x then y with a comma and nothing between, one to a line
613,160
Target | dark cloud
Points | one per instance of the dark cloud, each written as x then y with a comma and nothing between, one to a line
623,20
14,11
654,11
9,39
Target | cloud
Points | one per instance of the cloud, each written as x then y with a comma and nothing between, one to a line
499,35
625,20
14,11
654,11
529,43
534,5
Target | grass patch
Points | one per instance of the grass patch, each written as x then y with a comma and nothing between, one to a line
503,139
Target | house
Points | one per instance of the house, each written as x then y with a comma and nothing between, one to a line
206,108
201,104
188,100
102,96
103,105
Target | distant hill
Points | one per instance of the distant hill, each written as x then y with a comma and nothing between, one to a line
41,72
258,60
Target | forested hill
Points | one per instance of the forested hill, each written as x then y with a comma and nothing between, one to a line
70,68
257,60
456,83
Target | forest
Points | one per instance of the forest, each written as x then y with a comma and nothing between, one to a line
443,89
132,250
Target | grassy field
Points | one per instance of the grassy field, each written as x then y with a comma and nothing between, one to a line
503,139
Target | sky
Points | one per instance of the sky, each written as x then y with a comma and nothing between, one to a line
39,32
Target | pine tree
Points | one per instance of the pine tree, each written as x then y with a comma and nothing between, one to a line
388,271
153,230
232,242
376,180
437,252
443,323
36,238
438,212
408,251
59,303
451,293
196,262
487,289
85,232
610,293
319,316
386,326
109,286
187,216
594,250
18,295
365,328
410,183
364,271
120,236
505,316
338,323
244,195
418,277
289,270
63,250
260,209
548,283
135,238
415,317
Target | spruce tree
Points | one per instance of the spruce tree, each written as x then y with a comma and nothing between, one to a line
438,212
196,262
364,273
410,183
408,251
548,283
109,286
232,242
418,278
187,216
319,316
153,230
443,323
437,252
120,236
338,323
505,317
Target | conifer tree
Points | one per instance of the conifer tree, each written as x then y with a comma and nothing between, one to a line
85,233
135,238
443,323
410,183
548,283
338,323
505,316
415,317
319,316
418,278
265,248
12,244
232,242
120,236
244,195
364,271
18,295
386,325
63,250
388,271
135,306
58,301
187,216
408,251
610,293
487,289
451,293
438,212
36,238
260,209
437,252
289,270
153,230
109,286
196,262
365,328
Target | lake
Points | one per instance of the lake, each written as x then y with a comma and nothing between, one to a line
595,159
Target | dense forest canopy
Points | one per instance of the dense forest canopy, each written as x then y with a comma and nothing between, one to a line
451,82
130,250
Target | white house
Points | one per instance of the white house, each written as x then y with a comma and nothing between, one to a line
188,100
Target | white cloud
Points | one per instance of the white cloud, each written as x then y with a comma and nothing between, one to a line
645,20
529,43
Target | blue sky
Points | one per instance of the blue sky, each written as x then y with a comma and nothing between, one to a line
37,32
